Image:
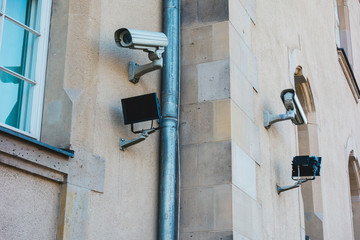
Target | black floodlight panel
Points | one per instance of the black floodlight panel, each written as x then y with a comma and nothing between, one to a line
309,166
140,108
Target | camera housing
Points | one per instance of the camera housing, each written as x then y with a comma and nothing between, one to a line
291,102
294,111
140,39
153,43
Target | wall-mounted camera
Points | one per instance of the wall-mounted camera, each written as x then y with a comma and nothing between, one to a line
294,111
304,168
153,43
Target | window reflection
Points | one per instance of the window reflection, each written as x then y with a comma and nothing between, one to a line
18,54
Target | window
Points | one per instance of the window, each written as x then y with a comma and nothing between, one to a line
343,30
344,45
24,30
337,31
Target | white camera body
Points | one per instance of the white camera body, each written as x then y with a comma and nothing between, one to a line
153,43
291,102
140,39
294,111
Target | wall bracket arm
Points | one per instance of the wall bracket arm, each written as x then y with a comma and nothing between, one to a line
295,185
136,70
141,137
286,188
273,118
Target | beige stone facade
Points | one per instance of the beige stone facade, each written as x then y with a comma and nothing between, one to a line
236,58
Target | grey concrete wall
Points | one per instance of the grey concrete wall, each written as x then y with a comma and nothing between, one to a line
28,205
128,207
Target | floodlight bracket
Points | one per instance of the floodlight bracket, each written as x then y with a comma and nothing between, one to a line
141,137
295,185
152,124
273,118
136,70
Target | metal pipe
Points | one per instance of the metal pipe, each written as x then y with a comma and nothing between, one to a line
169,131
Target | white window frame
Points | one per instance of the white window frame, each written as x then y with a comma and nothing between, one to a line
40,70
337,24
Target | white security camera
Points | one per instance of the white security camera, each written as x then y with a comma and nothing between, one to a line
153,43
140,39
293,108
291,102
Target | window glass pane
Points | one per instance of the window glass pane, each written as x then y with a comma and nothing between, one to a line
24,11
15,101
18,50
18,53
17,9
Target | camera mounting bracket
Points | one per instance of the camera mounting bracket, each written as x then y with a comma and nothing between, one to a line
136,70
273,118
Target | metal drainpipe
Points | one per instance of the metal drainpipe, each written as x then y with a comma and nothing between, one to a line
170,96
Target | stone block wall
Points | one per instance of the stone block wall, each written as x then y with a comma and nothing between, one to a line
206,192
219,138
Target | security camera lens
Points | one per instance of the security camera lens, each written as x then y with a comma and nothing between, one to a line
127,38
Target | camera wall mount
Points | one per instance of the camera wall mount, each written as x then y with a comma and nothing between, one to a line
136,70
269,118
